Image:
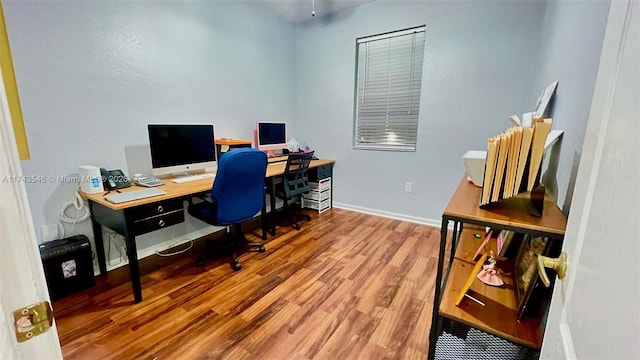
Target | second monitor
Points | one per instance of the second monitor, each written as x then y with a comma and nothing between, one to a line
271,136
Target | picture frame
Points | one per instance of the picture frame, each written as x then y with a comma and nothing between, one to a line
542,105
525,272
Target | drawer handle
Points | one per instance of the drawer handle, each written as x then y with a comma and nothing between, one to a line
160,208
161,222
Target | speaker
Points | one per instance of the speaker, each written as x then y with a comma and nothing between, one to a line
90,179
68,265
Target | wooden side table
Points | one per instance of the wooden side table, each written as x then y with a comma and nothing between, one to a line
497,319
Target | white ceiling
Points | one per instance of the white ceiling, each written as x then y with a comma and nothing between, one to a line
300,10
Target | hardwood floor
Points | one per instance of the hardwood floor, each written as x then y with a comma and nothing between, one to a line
346,286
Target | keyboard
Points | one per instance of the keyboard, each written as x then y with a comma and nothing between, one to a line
118,198
194,178
148,181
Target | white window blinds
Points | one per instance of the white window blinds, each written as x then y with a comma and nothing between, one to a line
388,85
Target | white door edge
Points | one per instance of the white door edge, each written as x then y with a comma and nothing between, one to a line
22,278
567,342
609,69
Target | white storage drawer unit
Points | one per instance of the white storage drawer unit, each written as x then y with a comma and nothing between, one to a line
317,205
317,195
321,185
319,198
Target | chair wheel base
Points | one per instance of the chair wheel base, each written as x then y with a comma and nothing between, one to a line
236,266
296,226
262,249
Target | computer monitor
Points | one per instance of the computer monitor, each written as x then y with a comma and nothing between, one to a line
177,149
271,136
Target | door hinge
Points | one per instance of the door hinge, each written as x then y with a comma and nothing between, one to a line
32,320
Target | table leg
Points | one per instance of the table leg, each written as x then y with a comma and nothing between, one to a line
272,215
433,336
134,268
99,243
263,218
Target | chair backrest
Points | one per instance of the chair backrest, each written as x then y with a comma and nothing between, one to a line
295,174
238,187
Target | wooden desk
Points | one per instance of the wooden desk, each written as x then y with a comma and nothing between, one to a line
276,159
498,317
138,217
225,145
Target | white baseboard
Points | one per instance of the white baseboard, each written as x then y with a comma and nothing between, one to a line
389,214
151,250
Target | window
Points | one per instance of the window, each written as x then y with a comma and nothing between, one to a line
388,82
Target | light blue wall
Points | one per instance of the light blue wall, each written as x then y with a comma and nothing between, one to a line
479,59
92,75
571,43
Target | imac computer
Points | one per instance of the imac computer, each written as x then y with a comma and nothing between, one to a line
271,136
181,149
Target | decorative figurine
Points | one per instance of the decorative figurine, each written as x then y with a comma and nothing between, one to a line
489,273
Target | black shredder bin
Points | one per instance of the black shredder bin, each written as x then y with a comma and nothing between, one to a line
68,265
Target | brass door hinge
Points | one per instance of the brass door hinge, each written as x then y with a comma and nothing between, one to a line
32,320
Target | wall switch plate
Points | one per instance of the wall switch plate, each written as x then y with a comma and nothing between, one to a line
49,232
408,186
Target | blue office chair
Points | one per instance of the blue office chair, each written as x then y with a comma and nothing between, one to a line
237,195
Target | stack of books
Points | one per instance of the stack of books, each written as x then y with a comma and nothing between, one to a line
513,160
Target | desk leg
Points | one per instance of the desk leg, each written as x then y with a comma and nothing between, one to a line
433,336
272,215
331,202
97,238
134,268
263,218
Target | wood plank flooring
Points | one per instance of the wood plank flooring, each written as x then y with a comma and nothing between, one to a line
346,286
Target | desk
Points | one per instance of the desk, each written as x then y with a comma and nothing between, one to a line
138,217
224,145
276,159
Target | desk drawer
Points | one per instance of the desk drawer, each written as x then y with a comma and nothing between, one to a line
321,172
155,209
158,222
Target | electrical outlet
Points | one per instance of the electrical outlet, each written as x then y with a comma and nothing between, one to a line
49,232
408,186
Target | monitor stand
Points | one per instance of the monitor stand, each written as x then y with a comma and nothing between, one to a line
189,173
182,174
186,174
